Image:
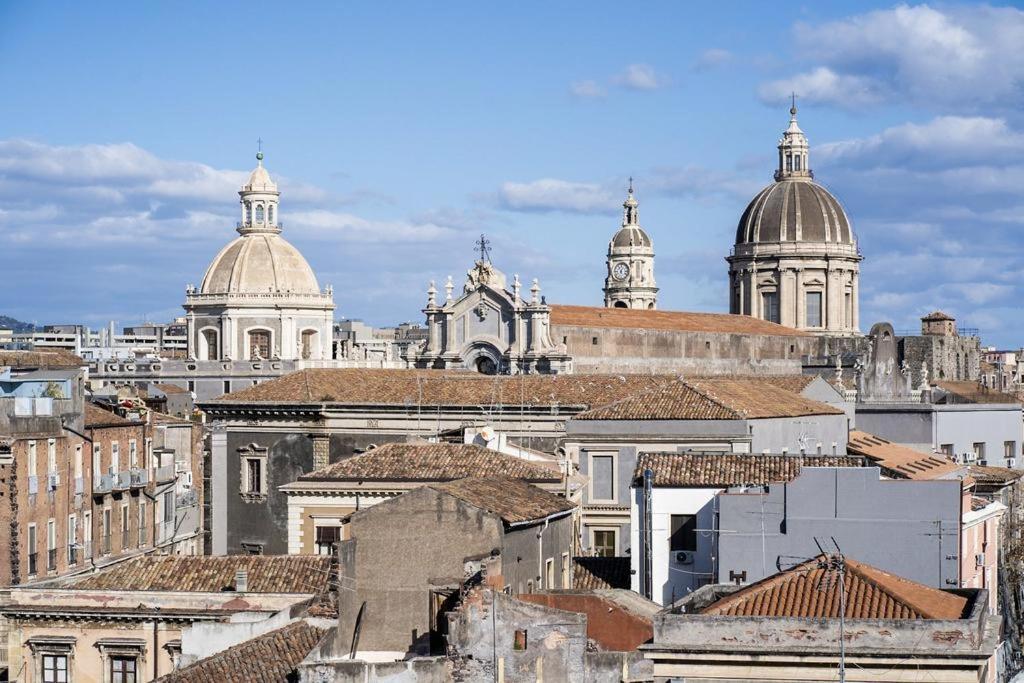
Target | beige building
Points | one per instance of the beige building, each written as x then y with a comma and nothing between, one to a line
125,624
796,260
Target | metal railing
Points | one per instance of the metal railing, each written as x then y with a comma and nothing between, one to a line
33,567
72,555
105,484
51,559
122,480
139,478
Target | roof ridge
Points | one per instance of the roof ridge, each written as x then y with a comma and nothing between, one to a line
742,414
860,569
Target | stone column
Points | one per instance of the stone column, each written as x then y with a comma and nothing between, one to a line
833,296
740,285
789,297
449,333
855,292
755,304
801,300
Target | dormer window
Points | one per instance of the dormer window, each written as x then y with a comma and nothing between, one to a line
270,214
259,213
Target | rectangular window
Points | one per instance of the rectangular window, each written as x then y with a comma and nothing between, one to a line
191,386
33,551
142,523
125,527
549,573
97,462
813,309
133,454
326,537
566,571
1009,449
115,458
55,668
770,306
946,449
105,531
254,475
51,456
122,670
684,533
78,461
51,545
87,535
849,309
227,386
32,464
602,477
149,454
604,543
72,540
979,450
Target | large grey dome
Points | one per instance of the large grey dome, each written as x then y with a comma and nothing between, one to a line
794,210
259,263
631,236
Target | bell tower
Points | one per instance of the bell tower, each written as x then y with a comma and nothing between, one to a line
629,282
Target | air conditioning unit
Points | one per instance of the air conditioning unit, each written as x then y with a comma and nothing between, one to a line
979,560
684,557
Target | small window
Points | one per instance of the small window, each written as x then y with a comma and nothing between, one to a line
684,533
259,344
326,537
227,386
72,540
594,341
51,456
549,573
254,475
604,543
979,450
259,213
270,214
946,449
33,550
602,477
770,306
813,309
1009,449
123,670
248,213
191,386
55,668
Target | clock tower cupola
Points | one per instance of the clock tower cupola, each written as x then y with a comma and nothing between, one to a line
629,282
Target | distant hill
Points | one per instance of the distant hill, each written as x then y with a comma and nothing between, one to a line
7,322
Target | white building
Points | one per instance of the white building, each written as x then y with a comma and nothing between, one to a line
630,279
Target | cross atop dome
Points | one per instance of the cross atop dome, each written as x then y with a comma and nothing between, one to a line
630,213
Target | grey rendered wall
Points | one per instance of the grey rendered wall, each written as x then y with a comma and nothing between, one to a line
909,528
910,425
399,550
773,435
963,425
521,553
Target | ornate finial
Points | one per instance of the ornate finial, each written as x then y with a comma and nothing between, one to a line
259,150
483,245
792,108
448,287
515,287
535,292
631,184
431,294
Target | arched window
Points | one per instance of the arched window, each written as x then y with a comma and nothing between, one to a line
210,345
259,213
270,214
259,344
621,304
248,212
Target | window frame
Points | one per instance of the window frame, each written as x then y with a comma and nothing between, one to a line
673,530
259,454
592,497
820,296
614,531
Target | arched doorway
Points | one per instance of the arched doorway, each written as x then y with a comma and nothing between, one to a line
621,304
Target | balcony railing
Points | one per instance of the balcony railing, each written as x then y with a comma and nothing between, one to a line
106,544
51,559
72,555
123,481
125,539
139,478
33,567
103,484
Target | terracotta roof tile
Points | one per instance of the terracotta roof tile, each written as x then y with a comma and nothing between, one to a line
722,470
265,574
810,591
676,321
710,399
994,475
268,658
431,462
171,388
96,416
442,387
512,500
599,573
53,358
902,461
973,392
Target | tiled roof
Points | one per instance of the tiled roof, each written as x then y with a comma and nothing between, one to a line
442,387
431,462
96,416
512,500
994,475
268,658
794,383
938,315
53,358
675,321
165,419
722,470
902,461
598,573
710,399
810,591
170,388
265,574
973,392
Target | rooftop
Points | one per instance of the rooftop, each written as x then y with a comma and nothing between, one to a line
722,470
363,386
268,658
431,462
994,475
170,388
50,358
514,501
673,321
902,461
264,574
711,399
972,392
599,573
95,416
811,590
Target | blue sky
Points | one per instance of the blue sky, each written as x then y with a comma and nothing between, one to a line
399,132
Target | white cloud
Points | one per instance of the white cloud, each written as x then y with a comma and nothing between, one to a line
713,58
588,89
964,57
552,194
334,225
824,86
640,77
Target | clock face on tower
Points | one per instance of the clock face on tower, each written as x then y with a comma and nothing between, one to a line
620,271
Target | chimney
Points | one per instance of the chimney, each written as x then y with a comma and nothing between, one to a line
241,580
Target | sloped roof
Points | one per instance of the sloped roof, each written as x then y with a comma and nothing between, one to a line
96,416
994,475
973,392
171,388
722,470
710,399
442,387
674,321
514,501
597,573
431,462
264,574
268,658
937,315
902,461
811,591
50,358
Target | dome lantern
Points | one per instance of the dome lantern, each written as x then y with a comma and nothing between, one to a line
794,151
259,200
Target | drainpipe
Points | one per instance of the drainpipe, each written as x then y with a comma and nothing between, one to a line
648,586
540,554
156,652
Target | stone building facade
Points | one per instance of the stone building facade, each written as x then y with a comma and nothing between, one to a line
796,260
630,282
